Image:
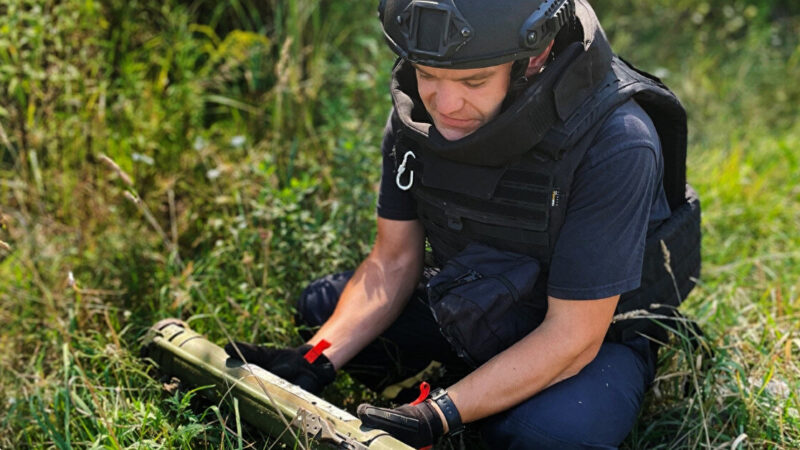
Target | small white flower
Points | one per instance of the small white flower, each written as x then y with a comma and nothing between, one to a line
238,141
213,174
199,143
143,159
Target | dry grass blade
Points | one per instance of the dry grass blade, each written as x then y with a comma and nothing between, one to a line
137,201
4,138
116,169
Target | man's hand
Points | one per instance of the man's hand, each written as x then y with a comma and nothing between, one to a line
288,363
417,425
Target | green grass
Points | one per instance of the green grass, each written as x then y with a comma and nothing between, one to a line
251,131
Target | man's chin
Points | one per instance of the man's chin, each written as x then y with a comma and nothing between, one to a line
454,134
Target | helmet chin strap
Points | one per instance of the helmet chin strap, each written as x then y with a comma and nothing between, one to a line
521,71
518,69
518,82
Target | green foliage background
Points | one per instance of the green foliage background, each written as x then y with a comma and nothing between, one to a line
251,130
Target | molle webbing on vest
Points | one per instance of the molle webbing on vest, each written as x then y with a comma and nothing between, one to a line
515,218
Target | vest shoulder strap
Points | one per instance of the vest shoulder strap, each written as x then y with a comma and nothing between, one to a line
622,83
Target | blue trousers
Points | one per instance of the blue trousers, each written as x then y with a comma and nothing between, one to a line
595,409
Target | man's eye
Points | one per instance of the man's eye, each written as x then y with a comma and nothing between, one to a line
424,75
474,84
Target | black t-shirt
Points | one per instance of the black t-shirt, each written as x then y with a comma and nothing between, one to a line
616,197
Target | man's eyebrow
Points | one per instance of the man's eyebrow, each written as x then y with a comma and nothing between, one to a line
482,75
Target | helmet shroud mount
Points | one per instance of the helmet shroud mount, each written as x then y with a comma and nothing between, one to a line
465,34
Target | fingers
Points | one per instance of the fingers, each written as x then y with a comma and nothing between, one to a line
232,347
386,419
261,356
287,363
308,382
402,423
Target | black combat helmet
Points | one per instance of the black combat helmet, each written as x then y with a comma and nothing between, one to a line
465,34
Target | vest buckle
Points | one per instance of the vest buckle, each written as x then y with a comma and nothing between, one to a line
455,223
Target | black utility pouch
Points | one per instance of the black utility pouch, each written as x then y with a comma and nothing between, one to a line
481,300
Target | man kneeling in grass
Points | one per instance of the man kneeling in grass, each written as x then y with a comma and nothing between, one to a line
546,174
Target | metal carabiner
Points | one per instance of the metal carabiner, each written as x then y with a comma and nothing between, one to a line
402,169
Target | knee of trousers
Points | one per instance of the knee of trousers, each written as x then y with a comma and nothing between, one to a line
514,435
318,300
595,409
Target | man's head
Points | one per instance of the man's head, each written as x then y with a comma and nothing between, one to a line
460,101
463,51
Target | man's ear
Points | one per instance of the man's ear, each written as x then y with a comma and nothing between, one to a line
537,62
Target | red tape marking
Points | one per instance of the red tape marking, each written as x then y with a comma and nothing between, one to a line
424,390
315,351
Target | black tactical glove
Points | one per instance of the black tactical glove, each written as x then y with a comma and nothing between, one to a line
417,425
289,364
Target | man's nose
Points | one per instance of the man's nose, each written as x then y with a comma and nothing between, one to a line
448,98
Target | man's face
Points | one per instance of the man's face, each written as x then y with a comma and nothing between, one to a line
462,100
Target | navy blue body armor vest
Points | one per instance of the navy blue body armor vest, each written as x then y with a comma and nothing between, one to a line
508,184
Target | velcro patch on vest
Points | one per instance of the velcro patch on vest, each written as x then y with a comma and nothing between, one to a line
526,189
464,179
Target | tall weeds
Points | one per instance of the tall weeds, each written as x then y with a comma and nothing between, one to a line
250,131
228,124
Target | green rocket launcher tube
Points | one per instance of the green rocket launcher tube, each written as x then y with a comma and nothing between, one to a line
264,400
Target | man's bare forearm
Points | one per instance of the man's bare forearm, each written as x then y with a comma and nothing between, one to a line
377,293
372,300
558,349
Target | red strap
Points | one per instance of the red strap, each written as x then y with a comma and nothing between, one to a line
424,390
315,351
